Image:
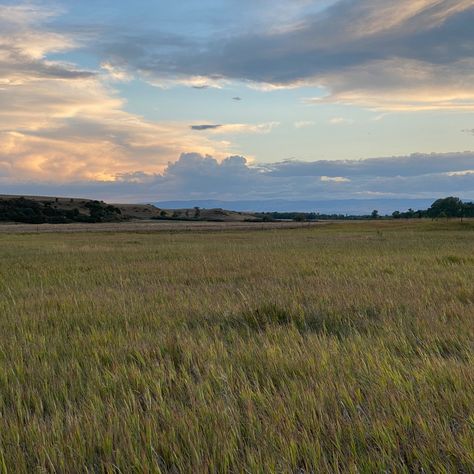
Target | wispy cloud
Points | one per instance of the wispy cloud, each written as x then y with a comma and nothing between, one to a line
236,128
335,179
340,121
304,124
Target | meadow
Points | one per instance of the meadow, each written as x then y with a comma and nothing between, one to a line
336,348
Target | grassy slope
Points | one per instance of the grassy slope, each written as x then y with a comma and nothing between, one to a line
139,211
133,211
332,349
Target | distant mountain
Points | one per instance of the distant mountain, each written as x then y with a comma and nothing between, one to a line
343,206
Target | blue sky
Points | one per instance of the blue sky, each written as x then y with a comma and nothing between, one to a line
113,97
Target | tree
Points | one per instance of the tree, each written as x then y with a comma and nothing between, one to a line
375,214
396,215
468,209
449,207
197,212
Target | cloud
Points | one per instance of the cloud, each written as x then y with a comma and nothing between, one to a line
201,176
236,128
304,124
335,179
403,56
61,123
461,173
340,121
115,73
205,127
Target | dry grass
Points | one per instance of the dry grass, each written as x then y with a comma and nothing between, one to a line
149,226
339,348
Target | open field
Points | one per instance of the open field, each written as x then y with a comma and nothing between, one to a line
331,348
150,226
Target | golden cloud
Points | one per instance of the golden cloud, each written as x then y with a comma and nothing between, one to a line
61,123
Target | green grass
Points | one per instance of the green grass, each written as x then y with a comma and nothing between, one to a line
342,348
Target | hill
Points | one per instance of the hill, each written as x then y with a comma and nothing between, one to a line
214,214
57,210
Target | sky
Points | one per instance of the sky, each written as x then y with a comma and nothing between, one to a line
149,100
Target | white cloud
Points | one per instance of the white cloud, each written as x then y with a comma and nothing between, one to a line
340,121
335,179
235,128
461,173
242,128
116,73
402,85
304,124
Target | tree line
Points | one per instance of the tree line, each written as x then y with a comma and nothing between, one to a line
441,208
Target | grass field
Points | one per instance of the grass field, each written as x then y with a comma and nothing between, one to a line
340,348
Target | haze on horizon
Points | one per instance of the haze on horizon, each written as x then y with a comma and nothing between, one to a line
226,99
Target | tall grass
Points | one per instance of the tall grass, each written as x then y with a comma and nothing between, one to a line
344,348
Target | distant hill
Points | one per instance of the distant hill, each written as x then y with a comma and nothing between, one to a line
340,206
53,210
206,214
57,210
50,209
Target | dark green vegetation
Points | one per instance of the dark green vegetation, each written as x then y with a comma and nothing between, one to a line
41,212
306,216
446,207
441,208
339,348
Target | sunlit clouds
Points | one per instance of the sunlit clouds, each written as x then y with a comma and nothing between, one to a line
59,122
156,98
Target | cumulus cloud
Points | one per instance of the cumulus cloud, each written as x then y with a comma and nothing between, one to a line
198,176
